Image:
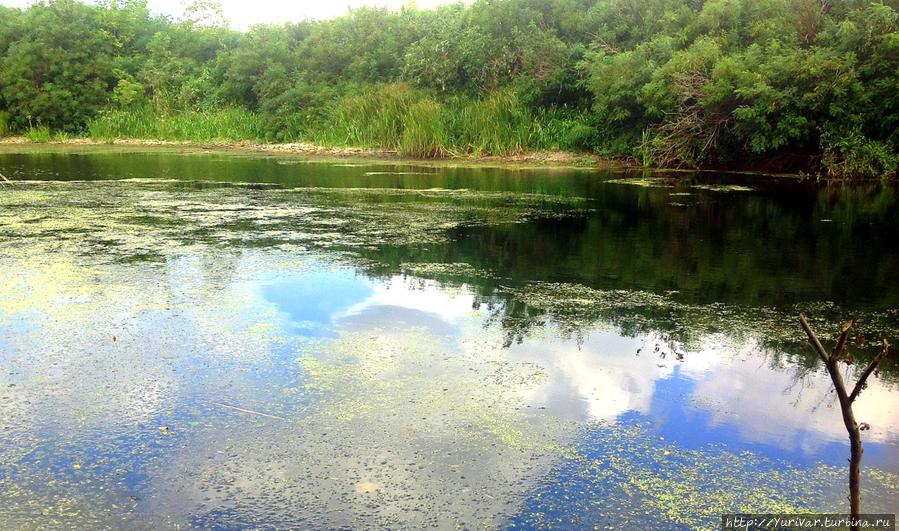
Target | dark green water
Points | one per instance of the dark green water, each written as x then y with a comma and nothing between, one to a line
229,341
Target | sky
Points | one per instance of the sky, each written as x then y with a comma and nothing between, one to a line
242,14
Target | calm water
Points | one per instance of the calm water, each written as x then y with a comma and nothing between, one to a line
227,341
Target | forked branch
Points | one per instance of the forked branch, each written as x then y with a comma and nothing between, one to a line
831,362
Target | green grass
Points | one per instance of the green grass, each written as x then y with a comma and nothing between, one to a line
42,134
495,125
232,124
39,134
395,117
412,122
375,118
425,132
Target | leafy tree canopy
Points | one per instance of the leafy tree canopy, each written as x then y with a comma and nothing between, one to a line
813,83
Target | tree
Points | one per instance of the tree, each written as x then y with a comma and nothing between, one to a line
810,83
846,398
59,72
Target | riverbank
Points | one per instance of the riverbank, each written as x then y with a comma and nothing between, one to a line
321,153
541,159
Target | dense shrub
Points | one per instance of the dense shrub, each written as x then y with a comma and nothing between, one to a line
673,82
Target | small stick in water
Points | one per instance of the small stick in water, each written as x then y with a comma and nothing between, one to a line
250,411
5,179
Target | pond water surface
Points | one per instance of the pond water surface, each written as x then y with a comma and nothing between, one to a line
228,341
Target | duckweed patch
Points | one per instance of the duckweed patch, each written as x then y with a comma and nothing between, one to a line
723,187
645,182
461,271
187,353
137,219
639,480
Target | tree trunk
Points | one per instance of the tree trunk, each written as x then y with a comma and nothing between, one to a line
855,438
831,363
855,487
855,462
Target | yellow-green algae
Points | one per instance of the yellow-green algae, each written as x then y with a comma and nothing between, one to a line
439,422
637,476
723,187
646,182
679,485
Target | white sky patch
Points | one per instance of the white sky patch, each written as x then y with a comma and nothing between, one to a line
451,306
770,405
732,382
603,372
242,14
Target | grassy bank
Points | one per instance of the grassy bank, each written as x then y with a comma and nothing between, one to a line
781,86
415,123
392,117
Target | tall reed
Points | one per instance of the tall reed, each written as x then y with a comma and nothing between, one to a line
425,132
375,118
395,117
495,125
231,124
4,124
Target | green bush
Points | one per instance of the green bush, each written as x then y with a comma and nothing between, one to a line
851,155
128,94
717,82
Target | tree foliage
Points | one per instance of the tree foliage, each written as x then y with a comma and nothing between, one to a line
803,84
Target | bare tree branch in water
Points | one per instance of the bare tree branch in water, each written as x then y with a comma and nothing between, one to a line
831,362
